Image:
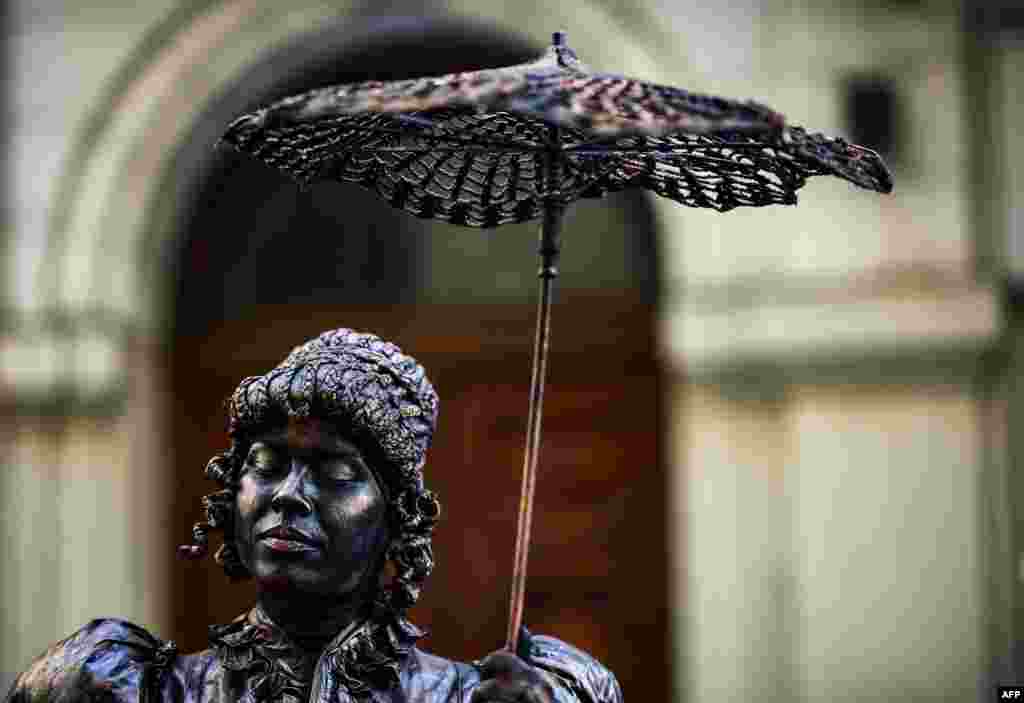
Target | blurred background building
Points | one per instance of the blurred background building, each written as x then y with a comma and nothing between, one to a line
781,451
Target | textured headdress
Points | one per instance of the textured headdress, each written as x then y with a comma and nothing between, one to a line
358,380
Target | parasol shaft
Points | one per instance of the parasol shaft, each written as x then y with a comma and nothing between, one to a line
549,250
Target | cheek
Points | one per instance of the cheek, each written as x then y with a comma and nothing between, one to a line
246,508
359,509
246,500
362,516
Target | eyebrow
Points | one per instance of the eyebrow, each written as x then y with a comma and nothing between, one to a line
342,448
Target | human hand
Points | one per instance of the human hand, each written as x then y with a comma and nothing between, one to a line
506,678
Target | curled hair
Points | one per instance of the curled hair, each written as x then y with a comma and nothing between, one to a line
374,392
219,507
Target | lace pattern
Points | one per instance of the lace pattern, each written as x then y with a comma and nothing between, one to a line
361,660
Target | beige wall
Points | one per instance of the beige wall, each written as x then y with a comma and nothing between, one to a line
733,510
885,487
84,519
81,488
835,546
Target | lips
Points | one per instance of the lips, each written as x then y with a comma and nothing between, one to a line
286,533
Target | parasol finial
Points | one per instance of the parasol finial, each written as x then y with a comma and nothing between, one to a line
566,57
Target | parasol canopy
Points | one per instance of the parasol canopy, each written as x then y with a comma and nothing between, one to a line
472,148
497,146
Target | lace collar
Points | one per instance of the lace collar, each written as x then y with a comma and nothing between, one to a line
361,658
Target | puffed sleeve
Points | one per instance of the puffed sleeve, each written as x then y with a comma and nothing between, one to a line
577,676
108,661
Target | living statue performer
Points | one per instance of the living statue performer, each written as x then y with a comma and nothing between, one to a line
322,486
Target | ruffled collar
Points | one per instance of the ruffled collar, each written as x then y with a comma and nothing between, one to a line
364,657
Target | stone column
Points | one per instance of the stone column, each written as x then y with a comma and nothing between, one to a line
81,475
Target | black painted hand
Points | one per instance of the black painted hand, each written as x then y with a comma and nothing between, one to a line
508,679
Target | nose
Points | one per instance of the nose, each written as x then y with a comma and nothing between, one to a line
292,495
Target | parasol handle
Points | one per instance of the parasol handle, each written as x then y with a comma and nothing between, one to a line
549,251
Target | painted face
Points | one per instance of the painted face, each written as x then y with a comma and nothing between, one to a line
310,515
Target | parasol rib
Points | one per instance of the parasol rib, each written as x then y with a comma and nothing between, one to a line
452,138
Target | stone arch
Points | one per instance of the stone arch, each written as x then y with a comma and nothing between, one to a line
113,201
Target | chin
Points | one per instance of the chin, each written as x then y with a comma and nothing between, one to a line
275,583
301,578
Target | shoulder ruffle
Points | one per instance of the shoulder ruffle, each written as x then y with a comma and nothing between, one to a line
106,660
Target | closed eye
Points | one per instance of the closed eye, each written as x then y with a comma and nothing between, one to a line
338,467
265,459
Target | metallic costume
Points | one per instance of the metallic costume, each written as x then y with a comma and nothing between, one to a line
383,400
252,660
